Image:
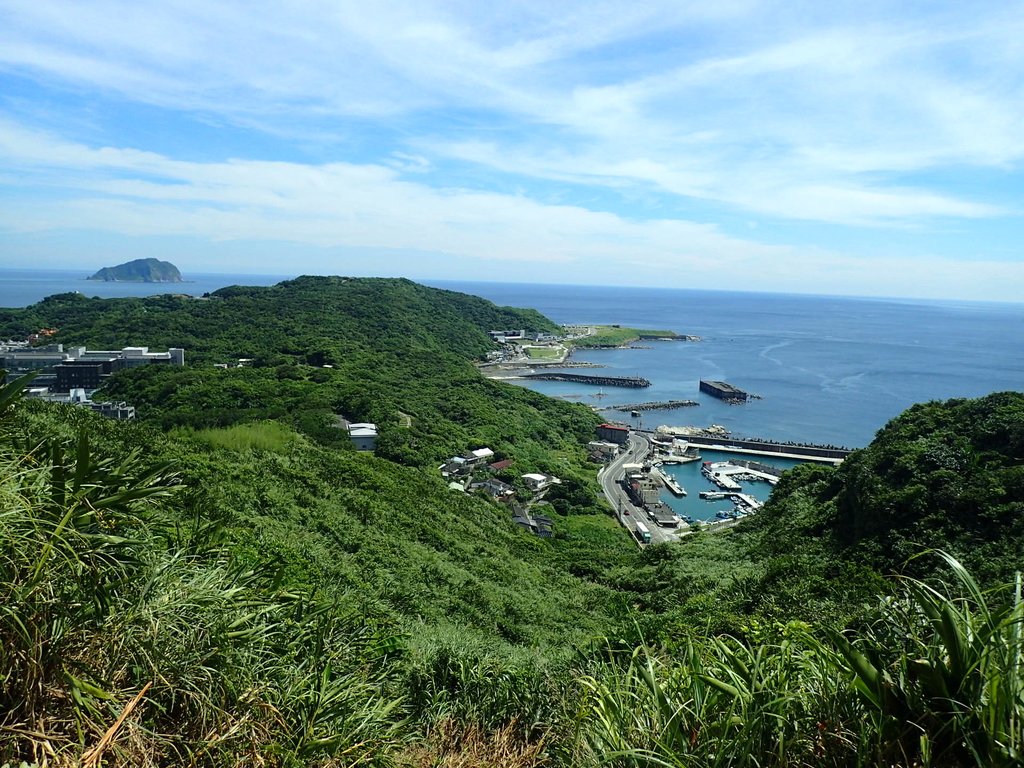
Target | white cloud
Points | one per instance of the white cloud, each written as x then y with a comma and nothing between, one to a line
141,193
372,208
862,116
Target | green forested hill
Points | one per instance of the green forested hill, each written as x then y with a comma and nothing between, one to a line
289,601
946,475
399,355
317,320
395,349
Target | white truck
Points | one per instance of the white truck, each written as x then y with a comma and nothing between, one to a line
642,534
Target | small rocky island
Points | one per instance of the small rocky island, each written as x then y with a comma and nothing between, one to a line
140,271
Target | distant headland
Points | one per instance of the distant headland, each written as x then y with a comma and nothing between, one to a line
140,271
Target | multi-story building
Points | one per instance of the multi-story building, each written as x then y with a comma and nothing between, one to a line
66,368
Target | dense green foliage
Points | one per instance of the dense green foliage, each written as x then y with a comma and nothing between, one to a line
317,320
617,336
274,597
937,679
395,348
106,599
942,475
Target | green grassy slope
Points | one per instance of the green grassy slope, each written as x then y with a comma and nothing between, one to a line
313,604
294,490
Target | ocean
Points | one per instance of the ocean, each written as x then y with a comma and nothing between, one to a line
830,370
21,287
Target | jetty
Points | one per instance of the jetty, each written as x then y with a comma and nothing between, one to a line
630,382
723,391
718,474
673,484
744,501
661,405
761,447
714,495
670,482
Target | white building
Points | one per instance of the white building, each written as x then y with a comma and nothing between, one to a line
480,454
538,482
363,435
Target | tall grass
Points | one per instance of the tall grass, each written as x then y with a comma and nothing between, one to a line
260,436
941,675
719,703
118,647
938,680
473,696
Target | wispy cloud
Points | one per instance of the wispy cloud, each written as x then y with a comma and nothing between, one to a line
334,204
659,129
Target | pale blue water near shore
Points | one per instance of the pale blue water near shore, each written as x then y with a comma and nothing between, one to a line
830,370
689,476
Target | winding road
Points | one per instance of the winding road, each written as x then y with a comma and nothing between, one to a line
610,476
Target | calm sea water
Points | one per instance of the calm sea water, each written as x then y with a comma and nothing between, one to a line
689,476
21,287
829,370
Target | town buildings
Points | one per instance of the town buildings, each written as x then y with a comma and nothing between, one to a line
71,374
613,433
62,368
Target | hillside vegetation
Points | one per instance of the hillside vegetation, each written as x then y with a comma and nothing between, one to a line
618,336
245,589
393,347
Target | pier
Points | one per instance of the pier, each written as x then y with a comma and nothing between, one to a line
737,471
663,405
630,382
745,504
722,479
768,448
670,482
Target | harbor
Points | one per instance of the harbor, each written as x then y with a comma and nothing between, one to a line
722,486
706,489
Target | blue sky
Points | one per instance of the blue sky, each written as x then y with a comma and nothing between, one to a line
870,149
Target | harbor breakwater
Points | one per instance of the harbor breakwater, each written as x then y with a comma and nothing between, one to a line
655,406
631,382
766,447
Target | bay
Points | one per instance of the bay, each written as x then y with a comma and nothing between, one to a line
830,370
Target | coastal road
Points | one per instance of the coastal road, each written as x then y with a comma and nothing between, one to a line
626,511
